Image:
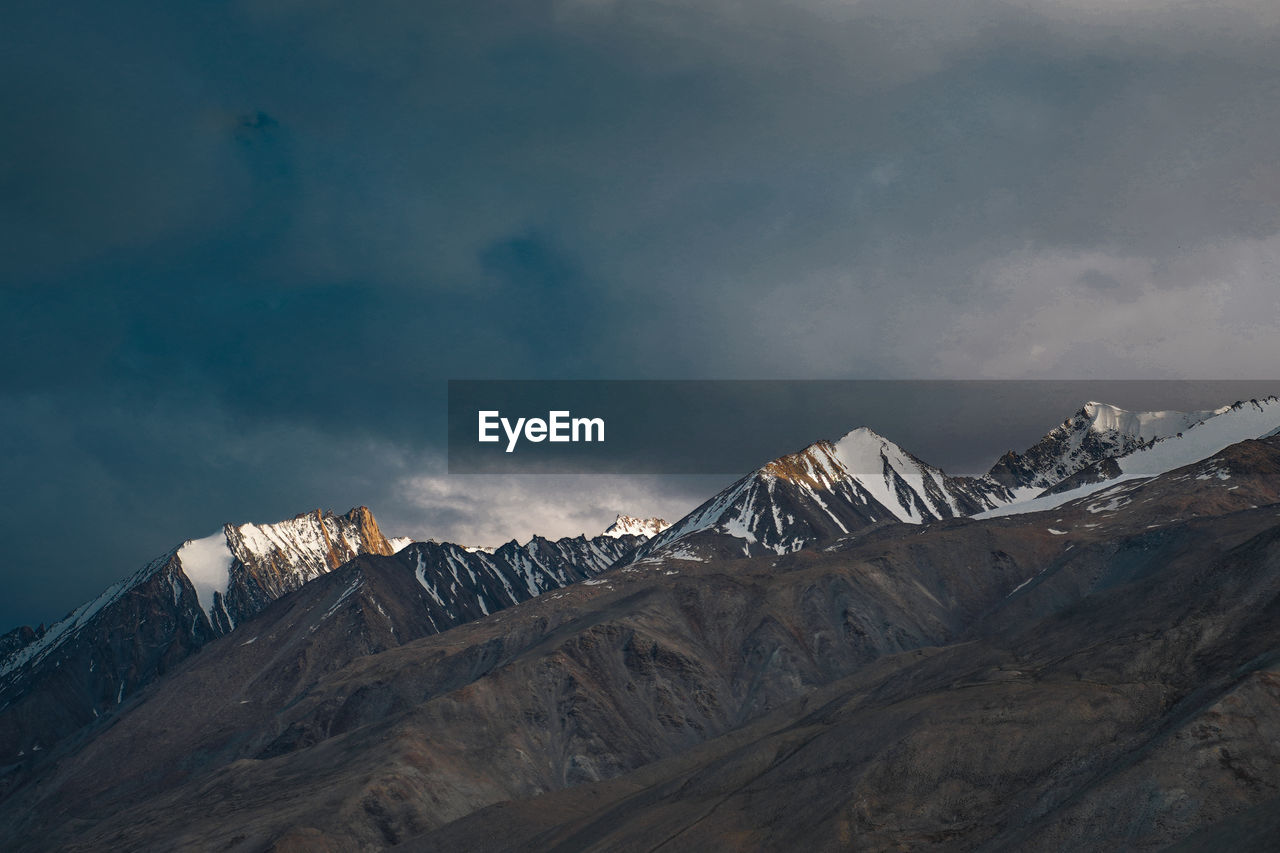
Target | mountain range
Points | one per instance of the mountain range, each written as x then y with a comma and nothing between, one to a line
846,647
54,681
864,479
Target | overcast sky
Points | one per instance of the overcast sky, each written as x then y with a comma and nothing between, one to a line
242,245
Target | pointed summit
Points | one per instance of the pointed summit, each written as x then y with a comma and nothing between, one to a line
828,489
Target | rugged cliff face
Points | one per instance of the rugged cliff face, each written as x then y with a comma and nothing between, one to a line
269,560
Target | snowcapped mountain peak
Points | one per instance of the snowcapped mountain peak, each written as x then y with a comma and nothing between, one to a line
1210,435
861,452
831,489
864,433
313,542
192,594
272,559
630,525
237,571
1097,431
864,451
913,490
815,466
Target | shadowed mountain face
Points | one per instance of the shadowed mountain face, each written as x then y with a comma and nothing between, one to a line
464,584
1103,674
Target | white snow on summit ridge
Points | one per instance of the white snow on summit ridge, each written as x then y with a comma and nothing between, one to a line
302,544
882,468
1147,426
297,549
1095,432
207,564
629,525
300,549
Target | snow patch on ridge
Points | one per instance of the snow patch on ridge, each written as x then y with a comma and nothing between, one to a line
874,461
305,547
207,564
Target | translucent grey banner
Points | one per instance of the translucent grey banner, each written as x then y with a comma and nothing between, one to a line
734,426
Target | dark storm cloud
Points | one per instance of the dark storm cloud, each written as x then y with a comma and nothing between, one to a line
299,218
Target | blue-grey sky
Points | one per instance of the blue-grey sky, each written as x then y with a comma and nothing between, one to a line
243,244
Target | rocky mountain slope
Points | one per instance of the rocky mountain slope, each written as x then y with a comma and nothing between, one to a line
467,583
83,667
1101,674
1126,696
